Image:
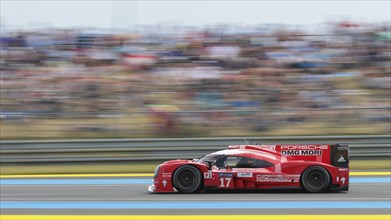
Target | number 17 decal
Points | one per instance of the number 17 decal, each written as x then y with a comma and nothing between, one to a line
224,182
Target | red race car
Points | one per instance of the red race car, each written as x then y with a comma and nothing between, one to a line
313,167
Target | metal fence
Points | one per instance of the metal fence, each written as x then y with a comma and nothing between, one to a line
99,150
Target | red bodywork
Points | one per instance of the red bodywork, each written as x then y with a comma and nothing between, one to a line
287,161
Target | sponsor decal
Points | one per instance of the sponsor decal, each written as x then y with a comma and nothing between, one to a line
245,174
207,175
301,152
164,183
272,147
166,175
304,147
343,180
276,178
343,169
225,174
337,178
341,159
234,147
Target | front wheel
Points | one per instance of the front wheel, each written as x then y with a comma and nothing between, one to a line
316,179
187,179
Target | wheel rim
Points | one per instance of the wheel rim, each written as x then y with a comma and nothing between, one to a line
316,180
187,179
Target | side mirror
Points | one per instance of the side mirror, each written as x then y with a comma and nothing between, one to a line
210,163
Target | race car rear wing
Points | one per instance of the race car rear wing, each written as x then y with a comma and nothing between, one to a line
333,154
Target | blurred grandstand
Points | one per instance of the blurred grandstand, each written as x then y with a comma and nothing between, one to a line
192,82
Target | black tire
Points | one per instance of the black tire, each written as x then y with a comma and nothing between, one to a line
315,179
187,179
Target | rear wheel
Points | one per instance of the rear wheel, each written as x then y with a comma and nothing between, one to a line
316,179
187,179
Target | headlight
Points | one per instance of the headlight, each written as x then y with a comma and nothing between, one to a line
156,172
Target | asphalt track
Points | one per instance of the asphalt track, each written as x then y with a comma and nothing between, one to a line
120,197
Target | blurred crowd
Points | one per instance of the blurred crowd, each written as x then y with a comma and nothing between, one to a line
195,82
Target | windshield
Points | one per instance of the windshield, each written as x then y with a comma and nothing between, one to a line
208,157
217,159
234,161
